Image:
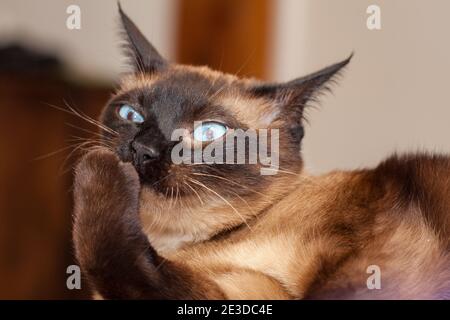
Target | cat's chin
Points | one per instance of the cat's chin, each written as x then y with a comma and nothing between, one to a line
169,193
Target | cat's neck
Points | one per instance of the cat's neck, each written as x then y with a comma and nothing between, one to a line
170,235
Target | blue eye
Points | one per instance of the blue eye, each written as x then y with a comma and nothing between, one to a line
128,113
209,131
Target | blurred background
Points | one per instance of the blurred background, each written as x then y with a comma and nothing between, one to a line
392,97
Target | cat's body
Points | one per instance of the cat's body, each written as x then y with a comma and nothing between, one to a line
320,238
146,228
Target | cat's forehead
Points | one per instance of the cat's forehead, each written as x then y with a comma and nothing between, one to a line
182,79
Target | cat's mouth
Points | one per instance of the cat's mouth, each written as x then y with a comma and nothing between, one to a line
154,175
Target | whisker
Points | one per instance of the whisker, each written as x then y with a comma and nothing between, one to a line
223,199
50,154
104,143
82,146
94,122
299,175
230,181
85,130
245,63
163,178
171,197
195,191
72,111
245,201
177,194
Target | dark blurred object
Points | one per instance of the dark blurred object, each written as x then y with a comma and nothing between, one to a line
18,59
35,194
228,35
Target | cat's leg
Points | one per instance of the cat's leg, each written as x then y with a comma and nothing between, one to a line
110,245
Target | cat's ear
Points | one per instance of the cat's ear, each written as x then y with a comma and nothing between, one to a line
144,57
292,96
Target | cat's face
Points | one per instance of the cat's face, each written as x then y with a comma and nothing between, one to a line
204,106
162,107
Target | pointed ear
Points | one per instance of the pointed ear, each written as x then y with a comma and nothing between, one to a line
292,96
144,57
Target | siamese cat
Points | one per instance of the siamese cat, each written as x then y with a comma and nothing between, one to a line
146,227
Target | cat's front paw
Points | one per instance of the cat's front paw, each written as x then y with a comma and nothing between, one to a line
106,213
106,196
102,180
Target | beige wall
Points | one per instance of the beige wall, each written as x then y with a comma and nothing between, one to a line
94,50
395,93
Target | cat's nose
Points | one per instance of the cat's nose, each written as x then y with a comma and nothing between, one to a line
143,153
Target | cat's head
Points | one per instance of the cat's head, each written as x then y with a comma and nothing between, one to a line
162,110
